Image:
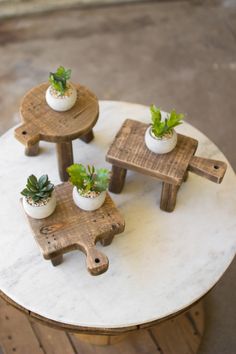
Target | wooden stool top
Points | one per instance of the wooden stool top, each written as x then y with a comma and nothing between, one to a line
128,150
70,228
40,122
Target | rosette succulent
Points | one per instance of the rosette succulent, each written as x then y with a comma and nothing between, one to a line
38,189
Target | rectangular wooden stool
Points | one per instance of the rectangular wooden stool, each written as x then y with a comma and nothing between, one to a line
70,228
129,152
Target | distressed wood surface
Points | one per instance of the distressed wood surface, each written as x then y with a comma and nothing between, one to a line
70,228
65,158
128,150
40,122
168,196
213,170
21,334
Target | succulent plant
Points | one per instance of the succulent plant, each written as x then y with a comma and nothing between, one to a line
162,127
58,80
90,179
38,189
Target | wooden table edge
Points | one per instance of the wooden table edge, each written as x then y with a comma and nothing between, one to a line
96,330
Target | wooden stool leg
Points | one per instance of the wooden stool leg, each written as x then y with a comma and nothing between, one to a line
87,137
107,241
186,176
168,196
32,150
57,260
117,179
65,158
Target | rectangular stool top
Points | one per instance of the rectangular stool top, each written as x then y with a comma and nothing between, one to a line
128,150
70,227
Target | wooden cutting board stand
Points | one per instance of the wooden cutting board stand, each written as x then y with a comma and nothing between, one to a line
71,228
129,152
40,122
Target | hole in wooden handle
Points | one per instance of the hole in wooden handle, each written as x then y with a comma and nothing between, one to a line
97,262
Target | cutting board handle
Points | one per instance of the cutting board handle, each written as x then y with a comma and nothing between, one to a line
27,134
97,262
213,170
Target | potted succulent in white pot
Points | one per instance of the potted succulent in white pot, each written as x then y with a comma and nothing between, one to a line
39,200
61,95
161,136
90,185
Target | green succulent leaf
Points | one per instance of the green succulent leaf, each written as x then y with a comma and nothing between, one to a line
32,180
59,79
38,189
43,180
101,179
88,179
78,175
161,126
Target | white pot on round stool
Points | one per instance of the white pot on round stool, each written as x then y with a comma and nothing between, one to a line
160,145
61,103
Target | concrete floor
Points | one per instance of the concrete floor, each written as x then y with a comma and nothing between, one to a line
177,54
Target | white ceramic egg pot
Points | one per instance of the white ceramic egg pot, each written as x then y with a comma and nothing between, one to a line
40,211
88,203
161,145
161,136
39,199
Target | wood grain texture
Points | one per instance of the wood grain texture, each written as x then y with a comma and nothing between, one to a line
70,228
213,170
32,150
117,180
65,158
53,341
129,151
139,342
181,335
168,196
87,137
16,334
40,122
21,334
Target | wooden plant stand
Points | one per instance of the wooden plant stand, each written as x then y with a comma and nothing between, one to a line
129,152
40,122
70,228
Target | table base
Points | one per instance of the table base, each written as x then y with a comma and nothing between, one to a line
177,335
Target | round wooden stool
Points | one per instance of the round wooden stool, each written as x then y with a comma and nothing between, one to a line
40,122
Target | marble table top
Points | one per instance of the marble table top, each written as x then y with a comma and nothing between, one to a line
161,264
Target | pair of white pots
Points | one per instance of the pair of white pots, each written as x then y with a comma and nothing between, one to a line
41,212
160,145
61,103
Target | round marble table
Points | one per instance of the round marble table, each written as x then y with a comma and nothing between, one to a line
162,263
